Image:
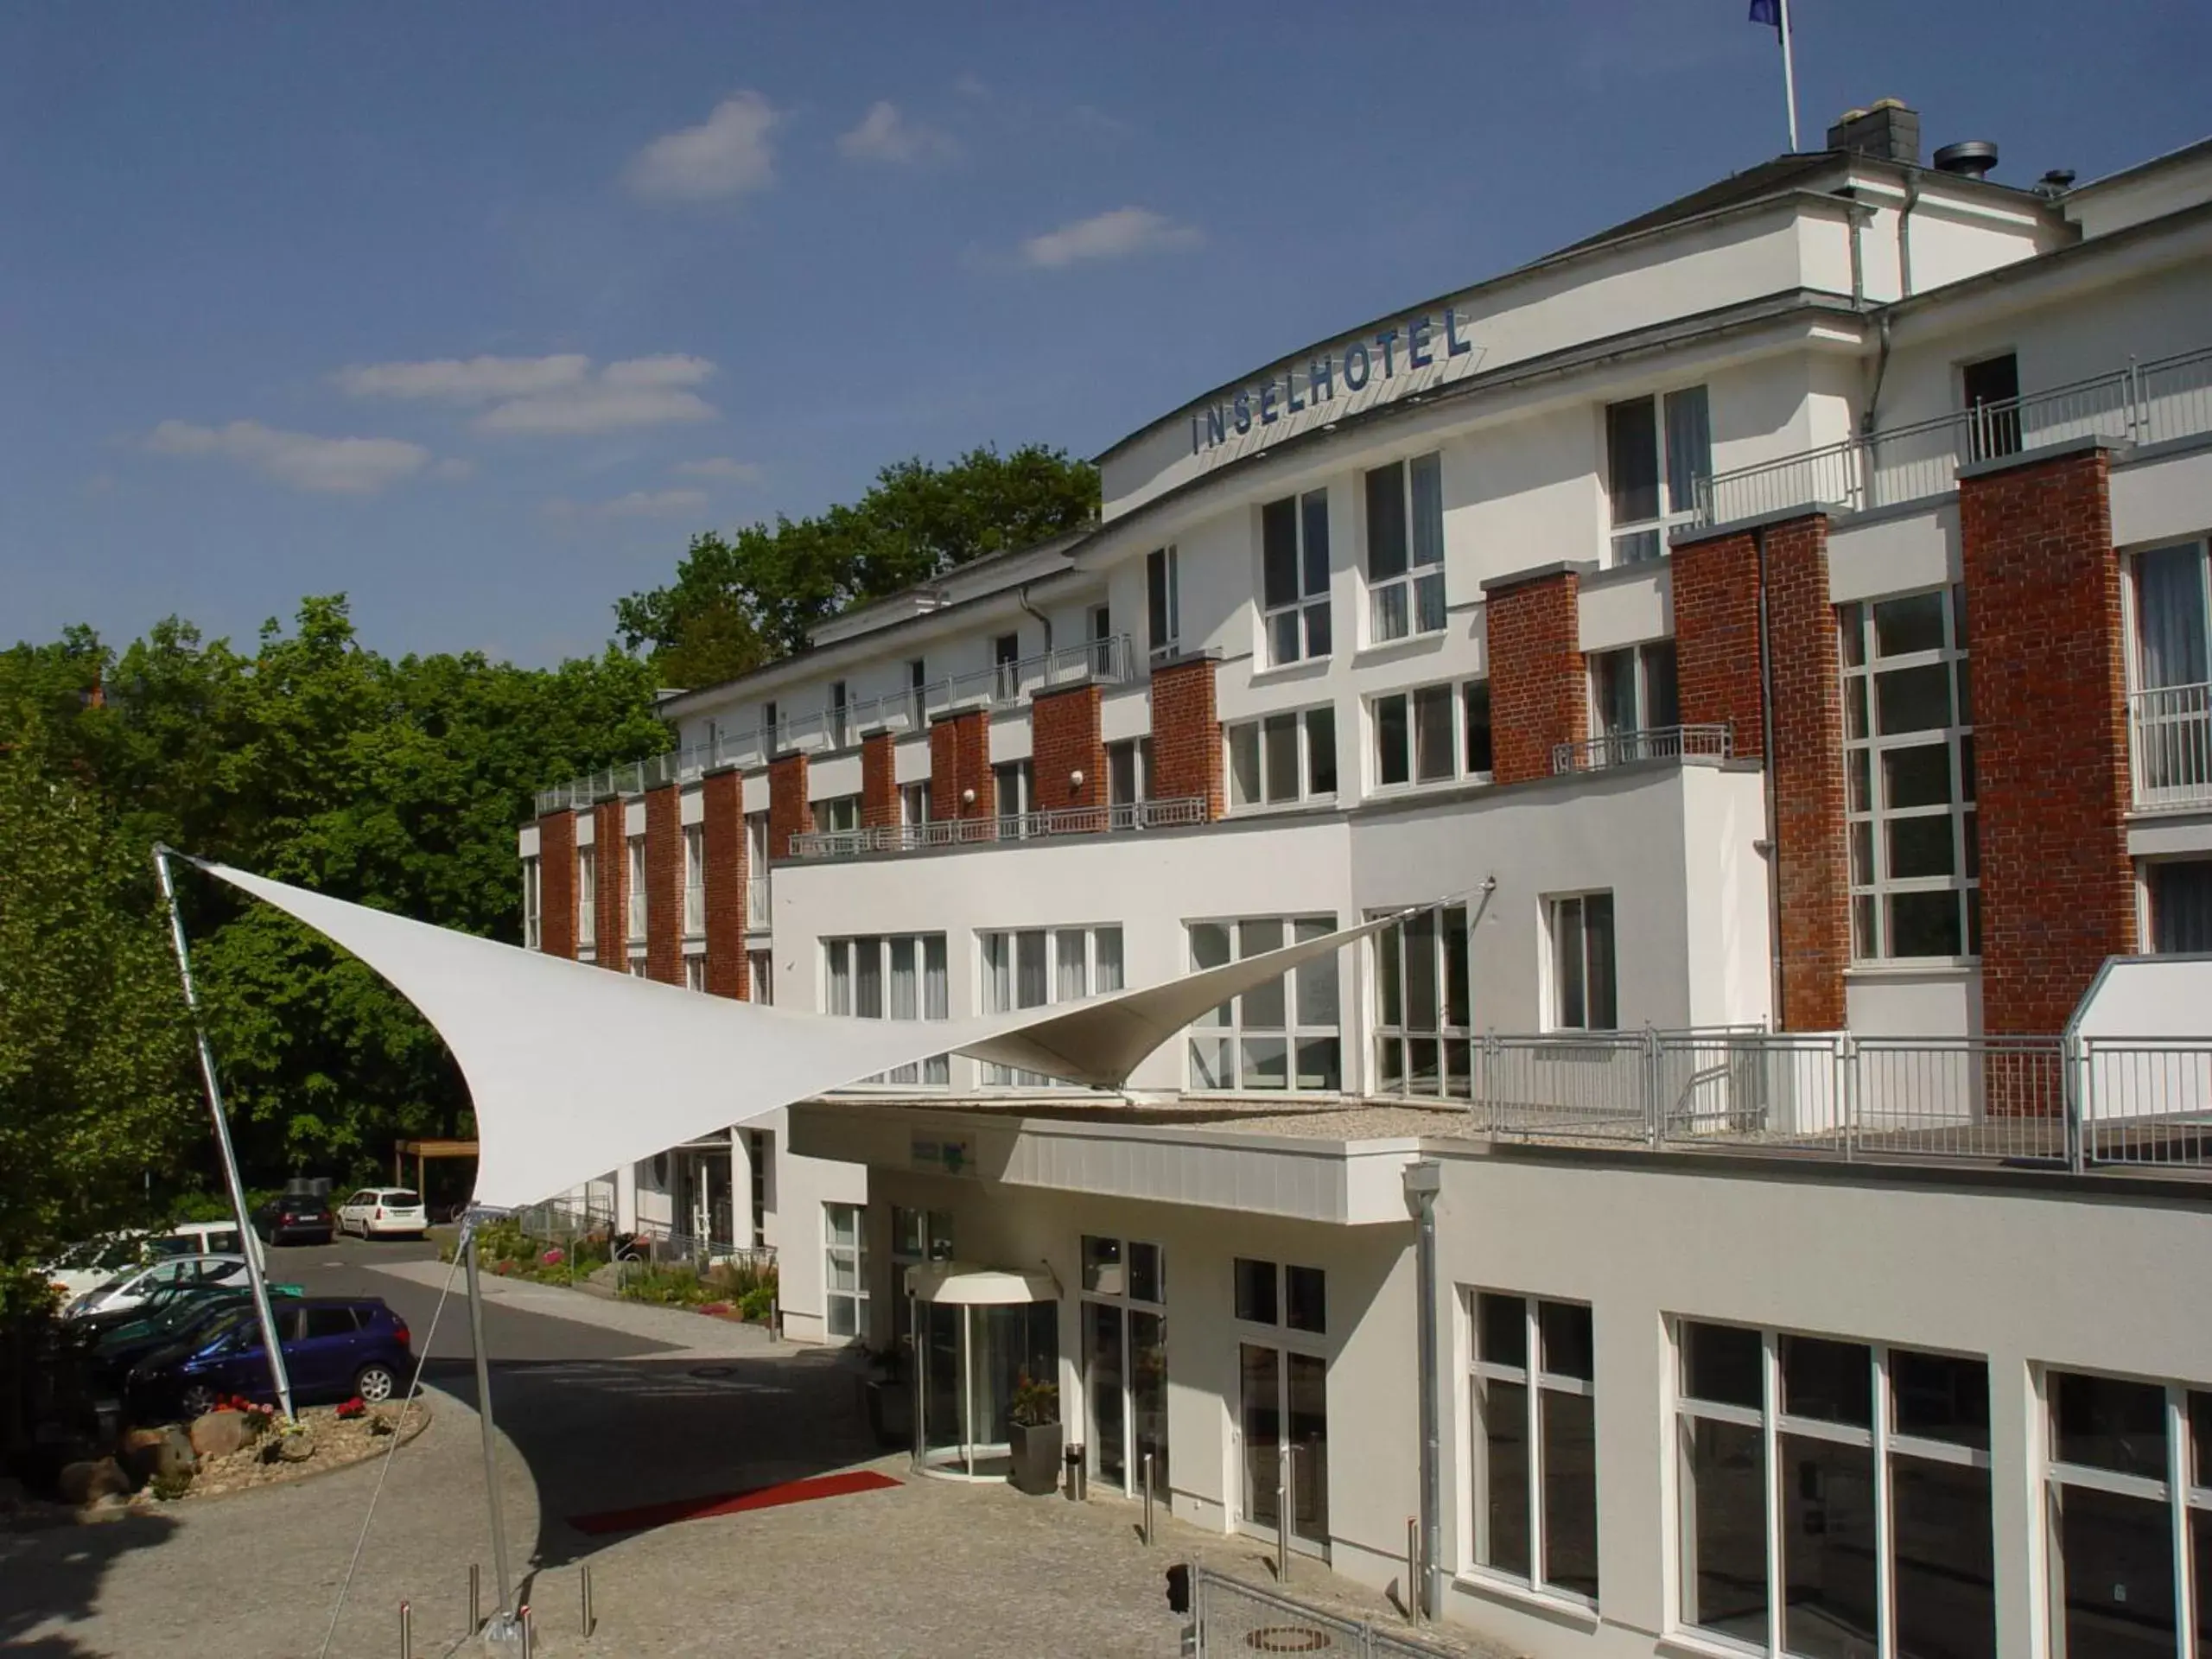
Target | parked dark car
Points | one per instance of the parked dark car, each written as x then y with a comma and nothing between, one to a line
334,1348
119,1348
296,1218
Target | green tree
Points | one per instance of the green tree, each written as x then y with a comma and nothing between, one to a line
743,600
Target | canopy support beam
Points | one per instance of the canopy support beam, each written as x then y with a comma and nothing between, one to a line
502,1626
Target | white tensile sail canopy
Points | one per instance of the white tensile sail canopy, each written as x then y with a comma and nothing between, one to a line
574,1070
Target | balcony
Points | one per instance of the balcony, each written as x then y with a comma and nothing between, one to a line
1027,826
2169,746
1643,743
1105,662
2143,402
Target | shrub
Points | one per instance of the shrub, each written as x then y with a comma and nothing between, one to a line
1034,1404
757,1303
171,1485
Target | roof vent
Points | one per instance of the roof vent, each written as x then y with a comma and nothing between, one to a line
2056,183
1971,159
1888,131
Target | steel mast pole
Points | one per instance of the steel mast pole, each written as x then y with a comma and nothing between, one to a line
502,1625
247,1245
1788,70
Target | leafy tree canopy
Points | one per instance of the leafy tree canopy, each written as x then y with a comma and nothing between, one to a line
743,600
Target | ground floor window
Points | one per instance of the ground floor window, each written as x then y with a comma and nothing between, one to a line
917,1236
1125,1360
1834,1496
1535,1449
1424,1007
1285,1034
2129,1504
845,1275
1584,996
2181,907
1282,1403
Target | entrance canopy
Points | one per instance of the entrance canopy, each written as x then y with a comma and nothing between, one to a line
957,1284
574,1070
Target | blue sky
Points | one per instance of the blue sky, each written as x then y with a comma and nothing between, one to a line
477,312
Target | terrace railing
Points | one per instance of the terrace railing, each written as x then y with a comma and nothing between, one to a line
1644,743
2169,744
2145,402
1027,826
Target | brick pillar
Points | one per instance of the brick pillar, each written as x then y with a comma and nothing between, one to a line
1187,733
556,884
879,781
1064,739
723,798
664,885
960,760
612,847
1539,693
789,814
2050,731
1716,583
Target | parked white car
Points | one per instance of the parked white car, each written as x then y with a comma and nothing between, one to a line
198,1238
92,1263
383,1212
129,1288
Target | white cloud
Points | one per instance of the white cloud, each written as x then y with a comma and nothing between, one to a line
557,394
970,84
472,380
1114,235
638,503
454,467
727,155
336,466
884,135
728,467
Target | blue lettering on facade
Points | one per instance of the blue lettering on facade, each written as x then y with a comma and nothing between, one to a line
1383,340
1454,345
1356,380
1243,412
1217,429
1268,416
1278,398
1290,399
1323,375
1417,352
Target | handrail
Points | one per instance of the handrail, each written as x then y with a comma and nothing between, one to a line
2143,402
1027,826
1703,742
2169,746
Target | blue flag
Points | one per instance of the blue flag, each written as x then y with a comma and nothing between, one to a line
1768,12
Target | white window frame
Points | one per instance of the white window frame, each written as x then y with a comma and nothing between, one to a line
1224,1029
840,995
1023,776
639,967
1163,609
1454,1040
1132,756
533,930
1255,736
1640,540
1087,939
1535,1381
1556,959
761,977
1868,816
1125,1302
854,1256
837,815
1409,604
1454,692
695,878
586,897
914,802
1299,628
633,897
1882,1439
695,971
756,871
1643,663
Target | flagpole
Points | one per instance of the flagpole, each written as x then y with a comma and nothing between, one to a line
1789,74
249,1246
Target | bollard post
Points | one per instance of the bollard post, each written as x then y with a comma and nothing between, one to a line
1286,1491
1147,1500
475,1598
406,1632
588,1621
529,1631
1414,1609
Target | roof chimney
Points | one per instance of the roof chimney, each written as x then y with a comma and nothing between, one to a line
1888,131
1971,158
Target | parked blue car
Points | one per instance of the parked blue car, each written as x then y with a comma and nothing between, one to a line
334,1348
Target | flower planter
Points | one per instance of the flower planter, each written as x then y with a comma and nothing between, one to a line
1036,1457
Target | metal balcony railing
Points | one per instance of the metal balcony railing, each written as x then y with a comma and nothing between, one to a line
1027,826
1109,662
2143,402
2169,745
1644,743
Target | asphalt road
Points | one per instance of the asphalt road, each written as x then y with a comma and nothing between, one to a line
348,1268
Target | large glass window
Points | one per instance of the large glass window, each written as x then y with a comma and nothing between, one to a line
845,1277
2171,702
1424,1013
1832,1437
1583,963
1285,1034
917,1237
1282,1397
635,894
1129,771
1632,696
1909,795
1036,967
837,814
532,929
1534,1454
1163,601
587,895
1405,549
1125,1360
1432,735
2181,907
1282,758
1294,577
695,878
887,976
1658,454
2130,1506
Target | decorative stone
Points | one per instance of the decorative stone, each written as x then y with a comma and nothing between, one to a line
147,1453
219,1433
82,1483
294,1448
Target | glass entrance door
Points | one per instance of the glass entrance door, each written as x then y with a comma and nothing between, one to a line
1106,1374
1283,1401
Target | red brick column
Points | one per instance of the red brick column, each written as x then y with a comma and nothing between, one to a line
1187,733
723,798
556,884
2050,732
879,781
1539,693
1064,739
611,854
1716,583
664,885
960,760
789,813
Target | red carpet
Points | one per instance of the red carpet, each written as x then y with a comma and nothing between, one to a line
649,1515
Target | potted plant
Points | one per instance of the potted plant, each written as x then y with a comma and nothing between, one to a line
1034,1436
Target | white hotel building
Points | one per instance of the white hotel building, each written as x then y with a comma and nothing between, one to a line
1773,633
